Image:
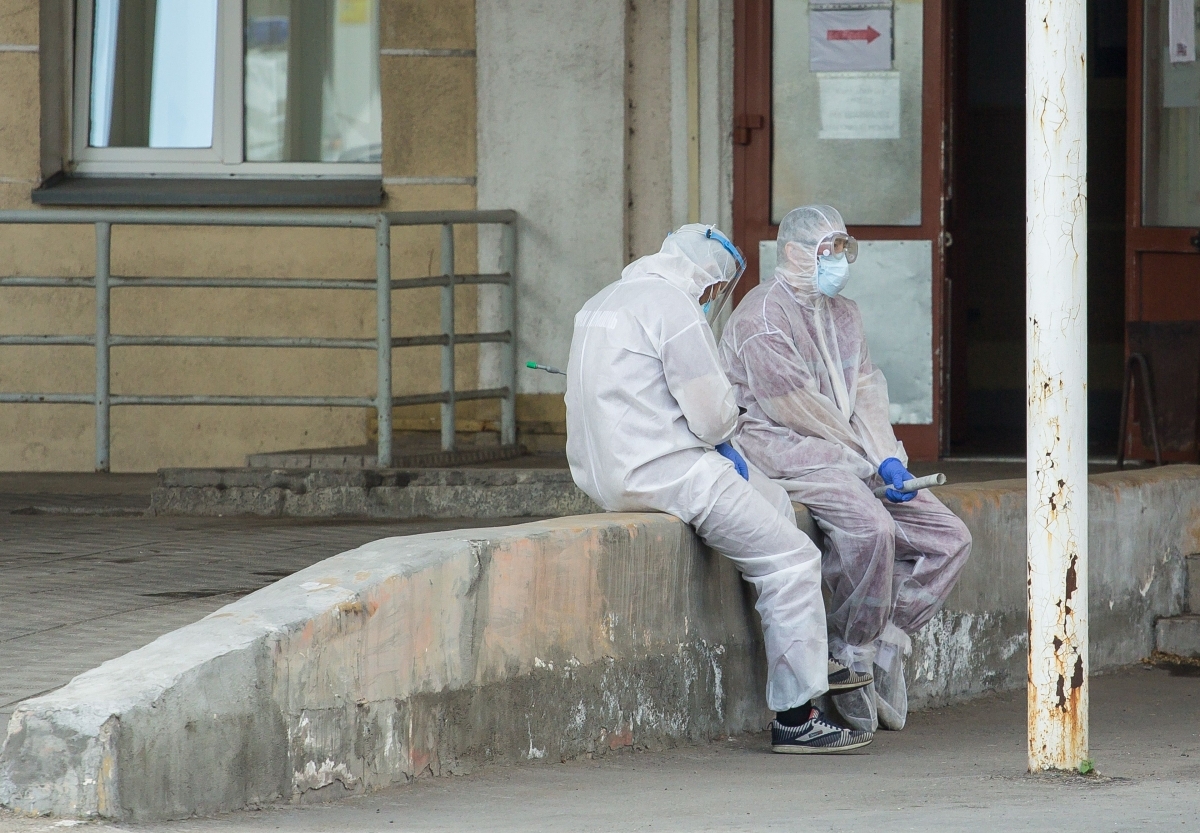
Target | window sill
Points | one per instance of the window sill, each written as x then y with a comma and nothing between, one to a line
172,192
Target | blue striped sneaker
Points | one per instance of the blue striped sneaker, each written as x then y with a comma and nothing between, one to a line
816,736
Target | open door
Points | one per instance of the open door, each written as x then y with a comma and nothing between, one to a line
843,102
1162,255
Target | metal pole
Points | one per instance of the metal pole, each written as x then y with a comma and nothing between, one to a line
383,340
508,352
103,271
448,426
1056,356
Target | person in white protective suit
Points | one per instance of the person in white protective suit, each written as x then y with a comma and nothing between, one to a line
817,421
649,416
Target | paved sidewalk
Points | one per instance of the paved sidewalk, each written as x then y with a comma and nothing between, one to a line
954,769
76,590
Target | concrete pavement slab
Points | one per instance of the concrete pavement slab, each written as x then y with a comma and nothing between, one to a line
957,768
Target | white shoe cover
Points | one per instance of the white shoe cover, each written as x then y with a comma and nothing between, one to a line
890,688
858,708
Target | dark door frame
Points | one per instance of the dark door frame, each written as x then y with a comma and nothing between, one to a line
1141,239
752,181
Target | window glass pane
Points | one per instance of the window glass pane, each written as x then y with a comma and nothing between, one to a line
312,81
153,73
1171,161
846,108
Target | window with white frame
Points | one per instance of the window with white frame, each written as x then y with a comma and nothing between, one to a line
265,88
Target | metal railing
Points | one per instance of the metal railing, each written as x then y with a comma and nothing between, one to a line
383,286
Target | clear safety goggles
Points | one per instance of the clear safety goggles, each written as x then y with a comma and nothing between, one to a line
838,243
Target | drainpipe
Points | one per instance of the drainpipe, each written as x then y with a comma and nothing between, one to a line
1056,364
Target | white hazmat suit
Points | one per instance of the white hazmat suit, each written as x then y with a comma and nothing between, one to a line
647,402
817,417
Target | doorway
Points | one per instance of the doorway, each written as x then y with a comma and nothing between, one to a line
986,223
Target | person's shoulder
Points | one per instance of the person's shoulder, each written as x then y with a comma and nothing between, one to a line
845,308
755,303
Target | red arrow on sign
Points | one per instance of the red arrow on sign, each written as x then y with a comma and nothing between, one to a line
870,35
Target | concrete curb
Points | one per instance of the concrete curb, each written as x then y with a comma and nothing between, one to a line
372,493
579,636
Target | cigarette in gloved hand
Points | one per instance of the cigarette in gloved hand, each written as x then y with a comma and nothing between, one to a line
915,484
547,368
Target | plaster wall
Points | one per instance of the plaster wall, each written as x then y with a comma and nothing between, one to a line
428,138
590,127
551,126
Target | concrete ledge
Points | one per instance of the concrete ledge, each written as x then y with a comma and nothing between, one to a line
374,493
408,656
579,636
1142,527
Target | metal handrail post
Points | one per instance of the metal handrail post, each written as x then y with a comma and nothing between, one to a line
103,344
383,340
508,351
448,410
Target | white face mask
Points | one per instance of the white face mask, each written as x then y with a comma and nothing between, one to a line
832,274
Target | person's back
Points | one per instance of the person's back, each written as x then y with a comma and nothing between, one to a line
644,387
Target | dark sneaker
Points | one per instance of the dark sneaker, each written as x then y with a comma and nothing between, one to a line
817,736
843,679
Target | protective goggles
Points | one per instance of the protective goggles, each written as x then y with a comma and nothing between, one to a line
838,243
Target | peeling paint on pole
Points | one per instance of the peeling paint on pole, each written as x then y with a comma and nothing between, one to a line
1056,356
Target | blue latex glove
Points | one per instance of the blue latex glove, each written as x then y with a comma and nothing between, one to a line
893,471
730,453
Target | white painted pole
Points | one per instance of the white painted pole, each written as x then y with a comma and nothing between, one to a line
1056,357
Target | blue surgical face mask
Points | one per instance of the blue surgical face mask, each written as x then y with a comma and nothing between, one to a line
832,274
705,307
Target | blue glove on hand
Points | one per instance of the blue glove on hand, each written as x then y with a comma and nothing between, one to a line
892,471
730,453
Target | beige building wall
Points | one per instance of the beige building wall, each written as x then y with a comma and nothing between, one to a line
428,137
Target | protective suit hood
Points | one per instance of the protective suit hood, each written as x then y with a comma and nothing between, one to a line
800,232
687,260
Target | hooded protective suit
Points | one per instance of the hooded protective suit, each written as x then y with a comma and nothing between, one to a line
817,417
647,402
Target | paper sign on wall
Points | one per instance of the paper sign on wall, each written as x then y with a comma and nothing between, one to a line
860,105
849,40
1181,31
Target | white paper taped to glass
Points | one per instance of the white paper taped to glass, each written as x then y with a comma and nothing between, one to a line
1181,28
854,39
859,105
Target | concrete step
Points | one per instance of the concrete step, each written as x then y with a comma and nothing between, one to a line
370,493
363,457
1178,635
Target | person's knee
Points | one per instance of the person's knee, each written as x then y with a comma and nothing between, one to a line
876,525
959,538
